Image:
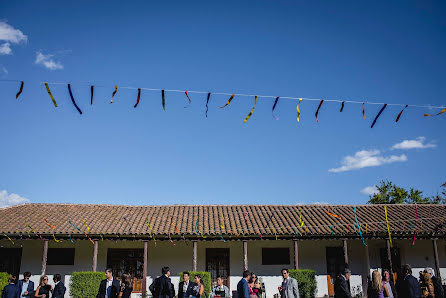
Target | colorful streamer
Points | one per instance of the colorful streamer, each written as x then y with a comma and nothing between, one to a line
342,106
171,221
20,90
171,241
298,110
32,230
415,234
72,241
296,232
196,229
318,108
185,92
300,219
332,214
56,239
399,115
113,95
363,110
72,99
252,110
153,233
9,238
85,223
222,238
207,103
229,101
163,99
69,221
274,107
91,91
441,112
388,227
51,226
359,227
50,94
137,99
379,114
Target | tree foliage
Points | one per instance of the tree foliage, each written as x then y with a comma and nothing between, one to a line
389,193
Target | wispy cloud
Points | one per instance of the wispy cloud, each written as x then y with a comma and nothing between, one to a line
11,199
9,35
369,190
47,61
418,143
365,158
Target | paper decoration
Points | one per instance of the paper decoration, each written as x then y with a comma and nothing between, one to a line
359,228
363,111
298,110
318,108
170,239
229,101
252,110
20,90
207,103
342,106
379,114
171,221
388,227
185,92
137,99
91,91
399,115
88,228
69,221
441,112
51,226
8,238
56,239
415,234
72,241
153,233
113,95
50,94
332,214
274,107
163,100
72,99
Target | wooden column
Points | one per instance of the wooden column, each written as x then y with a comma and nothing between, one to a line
95,256
389,257
144,270
345,253
194,261
296,255
437,262
245,255
44,256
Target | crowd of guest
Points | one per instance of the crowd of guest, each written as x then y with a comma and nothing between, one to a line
25,287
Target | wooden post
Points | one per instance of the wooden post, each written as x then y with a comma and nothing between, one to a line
345,253
144,271
389,257
44,256
437,262
245,255
296,254
194,262
95,256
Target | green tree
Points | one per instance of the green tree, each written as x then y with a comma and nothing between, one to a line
389,193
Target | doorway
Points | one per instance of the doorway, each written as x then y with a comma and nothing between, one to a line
10,260
217,263
129,261
335,266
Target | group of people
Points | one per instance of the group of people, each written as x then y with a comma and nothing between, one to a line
25,287
407,286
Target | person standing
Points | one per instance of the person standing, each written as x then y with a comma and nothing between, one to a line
44,289
109,287
185,287
11,290
26,286
220,290
376,289
409,286
126,286
198,289
389,286
289,287
342,290
59,288
162,287
242,286
438,287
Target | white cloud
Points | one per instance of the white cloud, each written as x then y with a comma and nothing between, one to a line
10,35
11,199
369,190
418,143
47,61
5,71
364,159
5,49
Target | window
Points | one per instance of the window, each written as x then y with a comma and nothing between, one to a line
60,256
276,256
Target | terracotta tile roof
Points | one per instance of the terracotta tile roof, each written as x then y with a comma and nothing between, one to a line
268,221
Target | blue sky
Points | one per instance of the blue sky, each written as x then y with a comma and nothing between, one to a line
378,51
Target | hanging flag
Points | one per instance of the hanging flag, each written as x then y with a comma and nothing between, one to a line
399,115
51,95
91,91
229,101
342,106
388,227
415,234
113,95
72,99
207,103
137,99
188,96
379,114
298,110
252,110
359,228
363,111
318,108
20,90
274,107
164,99
441,112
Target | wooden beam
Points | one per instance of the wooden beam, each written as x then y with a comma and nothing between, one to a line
44,256
296,255
95,256
194,260
144,270
245,255
437,261
345,252
389,257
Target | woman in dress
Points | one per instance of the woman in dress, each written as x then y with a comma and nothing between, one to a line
198,290
44,289
126,286
389,287
376,289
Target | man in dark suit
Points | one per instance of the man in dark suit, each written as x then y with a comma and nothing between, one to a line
242,286
438,287
409,286
185,287
26,287
162,287
109,287
341,287
59,288
11,290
